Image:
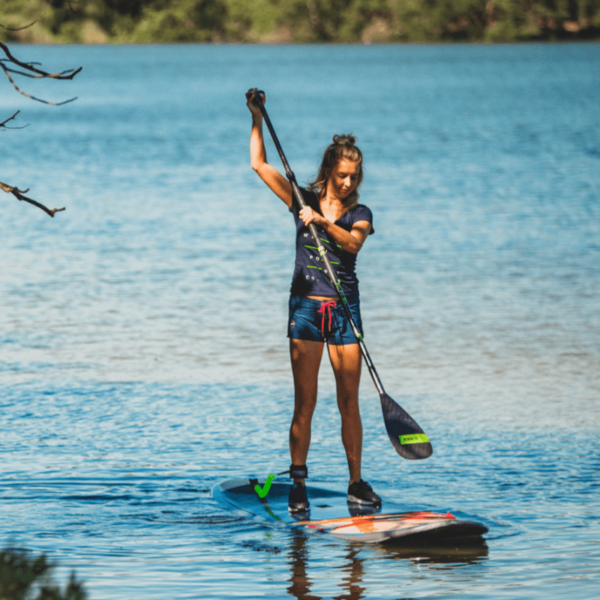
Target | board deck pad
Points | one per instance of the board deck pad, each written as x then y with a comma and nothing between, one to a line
330,513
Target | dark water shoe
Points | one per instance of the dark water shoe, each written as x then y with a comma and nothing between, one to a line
360,492
298,500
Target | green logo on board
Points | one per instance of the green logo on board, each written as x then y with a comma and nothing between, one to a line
263,491
414,438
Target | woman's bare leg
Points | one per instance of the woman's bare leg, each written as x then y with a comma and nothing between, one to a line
306,359
347,362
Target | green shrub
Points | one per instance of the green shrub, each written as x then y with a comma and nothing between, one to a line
22,575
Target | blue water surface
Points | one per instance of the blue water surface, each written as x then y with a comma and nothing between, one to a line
143,356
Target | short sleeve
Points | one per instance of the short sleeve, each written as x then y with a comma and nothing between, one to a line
363,213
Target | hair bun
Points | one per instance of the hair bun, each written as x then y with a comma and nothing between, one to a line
344,140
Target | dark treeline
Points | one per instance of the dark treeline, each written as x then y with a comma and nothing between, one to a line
96,21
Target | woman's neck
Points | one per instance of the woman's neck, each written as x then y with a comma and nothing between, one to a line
332,207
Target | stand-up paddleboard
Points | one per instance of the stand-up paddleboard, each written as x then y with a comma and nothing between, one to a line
330,513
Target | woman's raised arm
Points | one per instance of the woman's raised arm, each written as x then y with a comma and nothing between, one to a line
258,155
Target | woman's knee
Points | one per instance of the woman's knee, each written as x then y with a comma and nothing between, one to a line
348,406
304,410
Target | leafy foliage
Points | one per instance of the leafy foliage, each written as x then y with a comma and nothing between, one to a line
21,576
299,20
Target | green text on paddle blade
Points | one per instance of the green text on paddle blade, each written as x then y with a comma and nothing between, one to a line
414,438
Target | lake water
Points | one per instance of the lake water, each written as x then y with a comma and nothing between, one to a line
143,355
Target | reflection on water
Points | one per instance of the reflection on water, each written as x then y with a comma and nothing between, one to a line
449,552
351,571
352,574
352,562
300,583
143,356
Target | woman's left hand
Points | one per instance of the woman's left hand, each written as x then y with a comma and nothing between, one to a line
308,215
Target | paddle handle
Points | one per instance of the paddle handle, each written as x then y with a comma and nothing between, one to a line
322,251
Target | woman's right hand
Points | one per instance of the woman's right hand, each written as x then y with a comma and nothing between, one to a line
251,104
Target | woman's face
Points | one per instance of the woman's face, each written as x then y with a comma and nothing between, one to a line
344,177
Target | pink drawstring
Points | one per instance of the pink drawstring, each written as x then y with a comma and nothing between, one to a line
326,306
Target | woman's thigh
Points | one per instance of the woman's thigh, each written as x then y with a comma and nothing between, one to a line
306,359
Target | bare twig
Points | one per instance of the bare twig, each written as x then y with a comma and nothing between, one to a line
19,194
30,70
68,74
9,119
22,73
30,24
7,71
18,28
5,126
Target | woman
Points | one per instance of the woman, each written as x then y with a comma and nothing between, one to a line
316,315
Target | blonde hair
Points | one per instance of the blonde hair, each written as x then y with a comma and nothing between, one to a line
343,147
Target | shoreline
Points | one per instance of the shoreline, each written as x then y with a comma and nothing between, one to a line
315,44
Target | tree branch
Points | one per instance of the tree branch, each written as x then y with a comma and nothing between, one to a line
7,71
19,194
30,70
68,74
5,126
18,28
30,24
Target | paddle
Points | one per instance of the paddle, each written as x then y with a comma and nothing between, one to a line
406,436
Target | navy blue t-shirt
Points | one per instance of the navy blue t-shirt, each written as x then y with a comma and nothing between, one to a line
310,277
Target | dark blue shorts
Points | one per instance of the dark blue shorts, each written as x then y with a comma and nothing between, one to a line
312,320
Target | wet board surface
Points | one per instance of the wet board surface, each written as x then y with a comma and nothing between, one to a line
330,513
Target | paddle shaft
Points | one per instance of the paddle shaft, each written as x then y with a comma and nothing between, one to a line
322,251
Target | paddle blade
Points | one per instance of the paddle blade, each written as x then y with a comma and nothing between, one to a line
406,436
